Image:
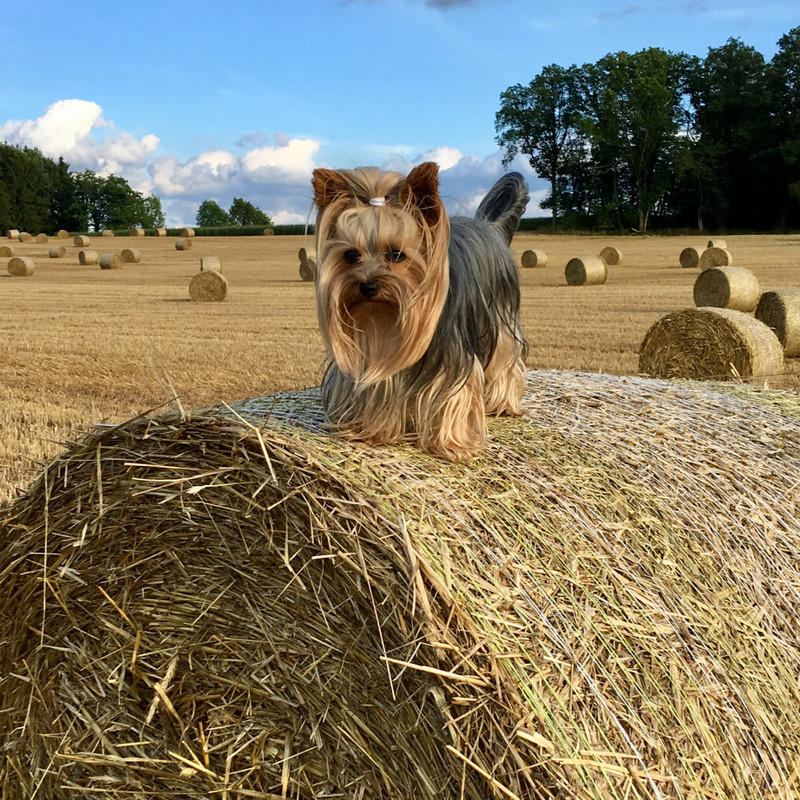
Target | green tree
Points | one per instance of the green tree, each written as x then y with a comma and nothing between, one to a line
542,121
212,215
67,205
149,212
243,212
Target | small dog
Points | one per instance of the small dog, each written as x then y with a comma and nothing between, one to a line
419,313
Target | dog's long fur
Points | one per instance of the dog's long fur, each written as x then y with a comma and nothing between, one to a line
419,313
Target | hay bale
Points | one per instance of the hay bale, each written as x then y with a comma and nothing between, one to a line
187,233
211,262
131,255
13,233
110,261
57,251
26,237
41,238
136,231
62,234
727,287
21,266
183,244
585,270
108,233
690,257
160,232
611,255
711,344
721,243
269,232
6,251
533,258
780,310
88,257
209,286
600,607
715,257
81,241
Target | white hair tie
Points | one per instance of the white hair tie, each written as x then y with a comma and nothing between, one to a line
378,202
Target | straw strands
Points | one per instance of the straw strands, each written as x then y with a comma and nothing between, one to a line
715,257
236,604
690,257
88,257
711,344
21,267
585,270
533,258
780,310
208,286
611,255
727,287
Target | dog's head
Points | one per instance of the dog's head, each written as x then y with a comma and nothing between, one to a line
382,275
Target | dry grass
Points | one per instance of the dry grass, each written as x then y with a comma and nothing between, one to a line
81,345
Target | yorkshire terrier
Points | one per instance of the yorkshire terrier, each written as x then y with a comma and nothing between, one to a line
419,312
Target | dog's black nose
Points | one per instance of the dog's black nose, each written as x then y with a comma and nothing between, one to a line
368,288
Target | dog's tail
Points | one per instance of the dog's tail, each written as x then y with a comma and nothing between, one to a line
504,204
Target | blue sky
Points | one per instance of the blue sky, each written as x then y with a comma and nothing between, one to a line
197,100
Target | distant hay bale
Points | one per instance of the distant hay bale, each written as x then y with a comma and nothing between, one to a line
208,286
160,232
62,234
780,311
711,344
21,266
13,233
727,287
586,270
108,233
211,262
187,233
41,238
81,241
110,261
308,267
533,258
6,251
601,606
721,243
57,251
136,231
690,257
88,257
715,257
269,231
183,244
131,255
611,255
26,237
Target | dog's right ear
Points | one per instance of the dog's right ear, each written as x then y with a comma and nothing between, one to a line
328,185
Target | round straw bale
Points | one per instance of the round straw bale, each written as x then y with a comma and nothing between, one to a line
715,257
13,233
208,286
136,231
26,237
192,602
187,233
533,258
6,251
727,287
780,310
211,262
81,241
131,255
611,255
57,251
88,257
307,270
585,270
269,231
690,257
711,344
183,244
41,238
110,261
721,243
160,232
109,233
21,266
62,234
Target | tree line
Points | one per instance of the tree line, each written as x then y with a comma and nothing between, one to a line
656,139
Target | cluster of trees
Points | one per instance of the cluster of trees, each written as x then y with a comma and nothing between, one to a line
660,139
40,195
241,213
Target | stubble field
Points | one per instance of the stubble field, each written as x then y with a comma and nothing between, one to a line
80,345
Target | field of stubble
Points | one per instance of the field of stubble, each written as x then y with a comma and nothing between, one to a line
80,345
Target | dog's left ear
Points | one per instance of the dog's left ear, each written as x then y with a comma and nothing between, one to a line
328,185
422,190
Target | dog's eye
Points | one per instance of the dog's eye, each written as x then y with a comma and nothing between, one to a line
395,256
352,256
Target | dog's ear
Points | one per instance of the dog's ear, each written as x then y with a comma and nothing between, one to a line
328,185
421,189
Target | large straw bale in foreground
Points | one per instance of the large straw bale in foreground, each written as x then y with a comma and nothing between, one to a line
727,287
208,286
600,606
711,344
780,310
586,270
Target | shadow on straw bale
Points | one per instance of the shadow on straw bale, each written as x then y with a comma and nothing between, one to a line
238,604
